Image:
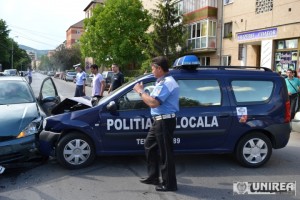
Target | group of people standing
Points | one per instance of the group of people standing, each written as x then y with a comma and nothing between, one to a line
98,83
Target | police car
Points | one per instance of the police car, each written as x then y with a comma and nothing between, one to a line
244,111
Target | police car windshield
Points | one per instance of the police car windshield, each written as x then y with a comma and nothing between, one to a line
116,91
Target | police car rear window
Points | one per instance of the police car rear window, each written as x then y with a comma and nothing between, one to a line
199,93
252,91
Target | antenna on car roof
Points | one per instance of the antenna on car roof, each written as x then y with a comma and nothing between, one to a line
189,62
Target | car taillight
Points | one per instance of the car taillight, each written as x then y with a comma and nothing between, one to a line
287,117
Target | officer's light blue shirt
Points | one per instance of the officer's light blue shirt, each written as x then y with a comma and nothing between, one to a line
292,84
80,78
166,91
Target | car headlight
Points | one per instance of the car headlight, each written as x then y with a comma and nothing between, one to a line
31,129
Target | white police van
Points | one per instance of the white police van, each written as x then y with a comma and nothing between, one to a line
244,111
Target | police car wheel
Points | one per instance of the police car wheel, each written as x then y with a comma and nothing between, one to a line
253,150
75,151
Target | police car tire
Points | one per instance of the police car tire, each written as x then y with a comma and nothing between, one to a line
73,161
249,154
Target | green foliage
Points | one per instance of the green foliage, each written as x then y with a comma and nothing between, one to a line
116,33
7,47
169,35
63,59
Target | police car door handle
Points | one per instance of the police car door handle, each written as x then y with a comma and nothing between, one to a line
224,115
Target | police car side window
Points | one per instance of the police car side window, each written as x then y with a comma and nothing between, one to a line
252,91
132,100
199,93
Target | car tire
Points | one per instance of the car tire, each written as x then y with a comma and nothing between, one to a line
253,150
75,151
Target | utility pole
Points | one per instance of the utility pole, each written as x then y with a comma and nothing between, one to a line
12,52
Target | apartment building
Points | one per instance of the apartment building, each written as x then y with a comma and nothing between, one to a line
262,33
73,34
201,20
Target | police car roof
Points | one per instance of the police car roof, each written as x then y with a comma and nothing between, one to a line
191,62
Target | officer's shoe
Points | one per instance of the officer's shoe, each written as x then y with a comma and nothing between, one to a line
153,181
163,188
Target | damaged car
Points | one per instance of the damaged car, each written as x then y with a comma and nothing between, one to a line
21,117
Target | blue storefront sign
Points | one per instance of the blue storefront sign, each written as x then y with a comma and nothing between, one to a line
252,35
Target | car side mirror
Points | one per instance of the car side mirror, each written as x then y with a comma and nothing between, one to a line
112,107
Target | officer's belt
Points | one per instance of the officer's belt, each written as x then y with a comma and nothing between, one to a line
167,116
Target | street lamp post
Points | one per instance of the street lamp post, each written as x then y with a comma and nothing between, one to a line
12,52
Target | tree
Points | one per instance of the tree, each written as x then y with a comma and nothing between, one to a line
116,32
63,59
168,37
5,49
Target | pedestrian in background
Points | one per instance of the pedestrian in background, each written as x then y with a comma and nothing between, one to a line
164,103
117,79
98,85
293,84
29,74
80,82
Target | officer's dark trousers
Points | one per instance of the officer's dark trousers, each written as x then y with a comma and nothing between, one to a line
160,141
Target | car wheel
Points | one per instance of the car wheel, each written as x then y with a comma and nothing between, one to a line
75,151
253,150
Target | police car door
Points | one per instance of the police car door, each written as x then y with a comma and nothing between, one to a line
205,115
126,129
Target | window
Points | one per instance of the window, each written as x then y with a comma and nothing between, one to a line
226,60
204,61
192,5
228,30
132,100
195,93
252,91
202,34
78,31
240,54
227,2
263,6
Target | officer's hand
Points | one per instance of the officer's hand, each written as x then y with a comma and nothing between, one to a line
138,87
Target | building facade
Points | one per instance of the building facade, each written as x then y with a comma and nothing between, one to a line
73,34
262,33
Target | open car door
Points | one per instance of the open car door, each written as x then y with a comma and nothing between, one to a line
48,97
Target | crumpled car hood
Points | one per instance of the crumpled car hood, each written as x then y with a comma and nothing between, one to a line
15,117
72,104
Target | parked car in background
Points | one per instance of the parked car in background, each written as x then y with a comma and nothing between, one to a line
11,72
89,80
51,73
70,76
107,75
21,117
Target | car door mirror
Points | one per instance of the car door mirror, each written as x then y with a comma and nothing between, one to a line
112,107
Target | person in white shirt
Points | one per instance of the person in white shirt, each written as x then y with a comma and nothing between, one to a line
98,85
80,82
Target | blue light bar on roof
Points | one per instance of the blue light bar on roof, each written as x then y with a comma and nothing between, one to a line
188,60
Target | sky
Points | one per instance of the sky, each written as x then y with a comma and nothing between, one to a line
41,24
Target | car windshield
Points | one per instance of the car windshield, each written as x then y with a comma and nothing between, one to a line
71,73
15,92
10,72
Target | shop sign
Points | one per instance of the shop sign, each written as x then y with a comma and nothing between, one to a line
266,33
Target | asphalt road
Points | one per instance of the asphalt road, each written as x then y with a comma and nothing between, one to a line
117,177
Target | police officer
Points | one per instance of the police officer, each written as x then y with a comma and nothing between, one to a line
164,103
80,81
